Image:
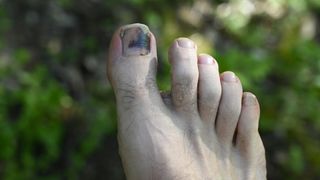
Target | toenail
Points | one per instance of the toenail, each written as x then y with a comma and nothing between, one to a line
229,77
185,43
135,40
249,99
205,59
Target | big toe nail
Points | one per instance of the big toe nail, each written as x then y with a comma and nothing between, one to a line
135,40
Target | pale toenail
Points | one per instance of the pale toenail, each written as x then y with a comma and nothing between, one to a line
205,59
249,99
135,40
229,77
185,43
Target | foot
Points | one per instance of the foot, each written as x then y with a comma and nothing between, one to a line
206,128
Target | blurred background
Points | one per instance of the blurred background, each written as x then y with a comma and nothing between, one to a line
57,109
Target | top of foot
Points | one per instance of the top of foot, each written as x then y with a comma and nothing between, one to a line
205,128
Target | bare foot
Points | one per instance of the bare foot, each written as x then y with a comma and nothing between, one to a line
206,128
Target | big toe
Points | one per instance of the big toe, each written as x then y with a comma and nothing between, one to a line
131,65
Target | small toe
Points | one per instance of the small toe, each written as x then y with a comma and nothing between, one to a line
229,108
247,129
209,88
248,141
183,59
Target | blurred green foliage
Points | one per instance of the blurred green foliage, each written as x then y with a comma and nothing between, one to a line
57,110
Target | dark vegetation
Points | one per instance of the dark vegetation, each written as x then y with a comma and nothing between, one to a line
57,110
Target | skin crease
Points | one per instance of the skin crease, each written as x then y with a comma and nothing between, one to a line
205,128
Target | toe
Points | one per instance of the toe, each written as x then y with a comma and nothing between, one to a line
229,108
183,58
131,65
248,141
209,88
247,130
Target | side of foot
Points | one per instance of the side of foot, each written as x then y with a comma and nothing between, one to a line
206,128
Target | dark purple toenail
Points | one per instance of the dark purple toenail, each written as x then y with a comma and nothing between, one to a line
135,40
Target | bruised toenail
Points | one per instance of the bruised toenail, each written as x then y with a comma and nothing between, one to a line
229,77
205,59
135,40
249,99
185,43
